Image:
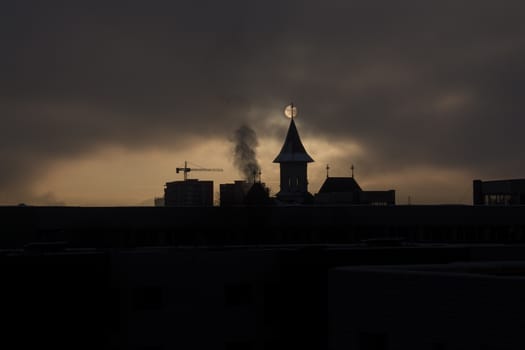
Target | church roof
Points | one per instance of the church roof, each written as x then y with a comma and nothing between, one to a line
340,184
293,149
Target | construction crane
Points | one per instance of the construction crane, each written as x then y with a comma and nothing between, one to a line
186,170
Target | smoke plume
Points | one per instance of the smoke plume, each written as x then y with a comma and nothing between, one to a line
245,157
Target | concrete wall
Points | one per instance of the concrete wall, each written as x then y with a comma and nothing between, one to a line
464,306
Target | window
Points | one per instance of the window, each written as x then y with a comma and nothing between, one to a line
497,199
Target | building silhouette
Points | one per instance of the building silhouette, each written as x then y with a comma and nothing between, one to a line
499,192
293,160
159,201
190,192
264,277
413,296
242,193
233,194
346,190
457,305
258,194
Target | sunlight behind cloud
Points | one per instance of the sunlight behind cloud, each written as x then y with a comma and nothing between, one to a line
424,185
118,176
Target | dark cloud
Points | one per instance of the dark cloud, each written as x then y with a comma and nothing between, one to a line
415,83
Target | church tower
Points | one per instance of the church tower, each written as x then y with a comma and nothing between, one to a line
293,161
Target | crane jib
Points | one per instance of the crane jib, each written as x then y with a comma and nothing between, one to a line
186,170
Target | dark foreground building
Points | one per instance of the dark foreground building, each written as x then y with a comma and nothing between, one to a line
408,296
459,305
114,227
346,277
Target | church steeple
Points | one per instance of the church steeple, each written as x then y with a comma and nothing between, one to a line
293,160
293,149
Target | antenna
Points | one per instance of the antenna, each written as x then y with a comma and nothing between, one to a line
327,168
352,168
290,111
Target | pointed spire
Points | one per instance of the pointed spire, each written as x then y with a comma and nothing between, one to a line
293,149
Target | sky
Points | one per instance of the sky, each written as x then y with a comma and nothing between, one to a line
100,101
